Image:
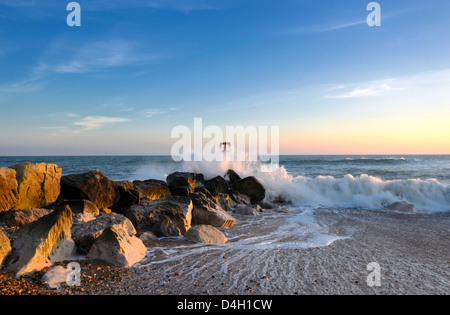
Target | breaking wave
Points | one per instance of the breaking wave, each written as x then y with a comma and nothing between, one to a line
362,192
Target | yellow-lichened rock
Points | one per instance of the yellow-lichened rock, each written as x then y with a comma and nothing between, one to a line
8,189
38,185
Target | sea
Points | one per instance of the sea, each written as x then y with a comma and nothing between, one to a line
362,182
310,184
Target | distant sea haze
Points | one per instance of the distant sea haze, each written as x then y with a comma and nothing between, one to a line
363,182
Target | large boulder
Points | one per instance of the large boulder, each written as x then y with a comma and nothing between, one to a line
5,247
151,189
37,243
92,186
246,210
206,234
9,197
85,233
38,185
232,176
251,187
128,196
82,206
217,185
168,216
225,202
117,247
207,212
18,218
184,179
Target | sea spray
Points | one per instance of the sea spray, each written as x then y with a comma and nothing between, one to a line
360,192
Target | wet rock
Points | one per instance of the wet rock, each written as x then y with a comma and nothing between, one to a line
9,196
246,210
184,179
206,234
225,202
251,187
38,185
402,206
37,241
217,185
168,216
182,191
232,176
240,198
92,186
207,212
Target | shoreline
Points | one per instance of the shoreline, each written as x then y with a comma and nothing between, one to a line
412,250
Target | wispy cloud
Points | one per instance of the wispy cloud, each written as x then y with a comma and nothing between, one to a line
93,57
151,112
380,87
321,28
374,89
97,122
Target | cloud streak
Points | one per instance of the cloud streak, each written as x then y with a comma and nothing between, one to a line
96,122
380,87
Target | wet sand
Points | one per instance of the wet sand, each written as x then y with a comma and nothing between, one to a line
412,249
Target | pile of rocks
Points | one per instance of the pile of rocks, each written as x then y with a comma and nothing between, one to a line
47,218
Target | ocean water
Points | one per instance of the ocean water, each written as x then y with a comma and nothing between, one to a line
363,182
312,184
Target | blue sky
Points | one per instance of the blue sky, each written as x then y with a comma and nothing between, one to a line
136,69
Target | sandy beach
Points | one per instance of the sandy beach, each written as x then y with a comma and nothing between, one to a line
411,249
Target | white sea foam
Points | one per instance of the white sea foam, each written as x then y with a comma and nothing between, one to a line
362,192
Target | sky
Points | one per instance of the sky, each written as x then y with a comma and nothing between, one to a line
135,69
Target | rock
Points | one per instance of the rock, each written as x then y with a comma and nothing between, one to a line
9,196
232,176
117,247
168,216
151,189
147,236
36,241
92,186
38,185
184,179
240,198
127,198
246,210
182,191
225,202
5,247
402,206
206,234
79,218
18,218
268,205
85,234
207,212
251,187
82,207
217,185
62,251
